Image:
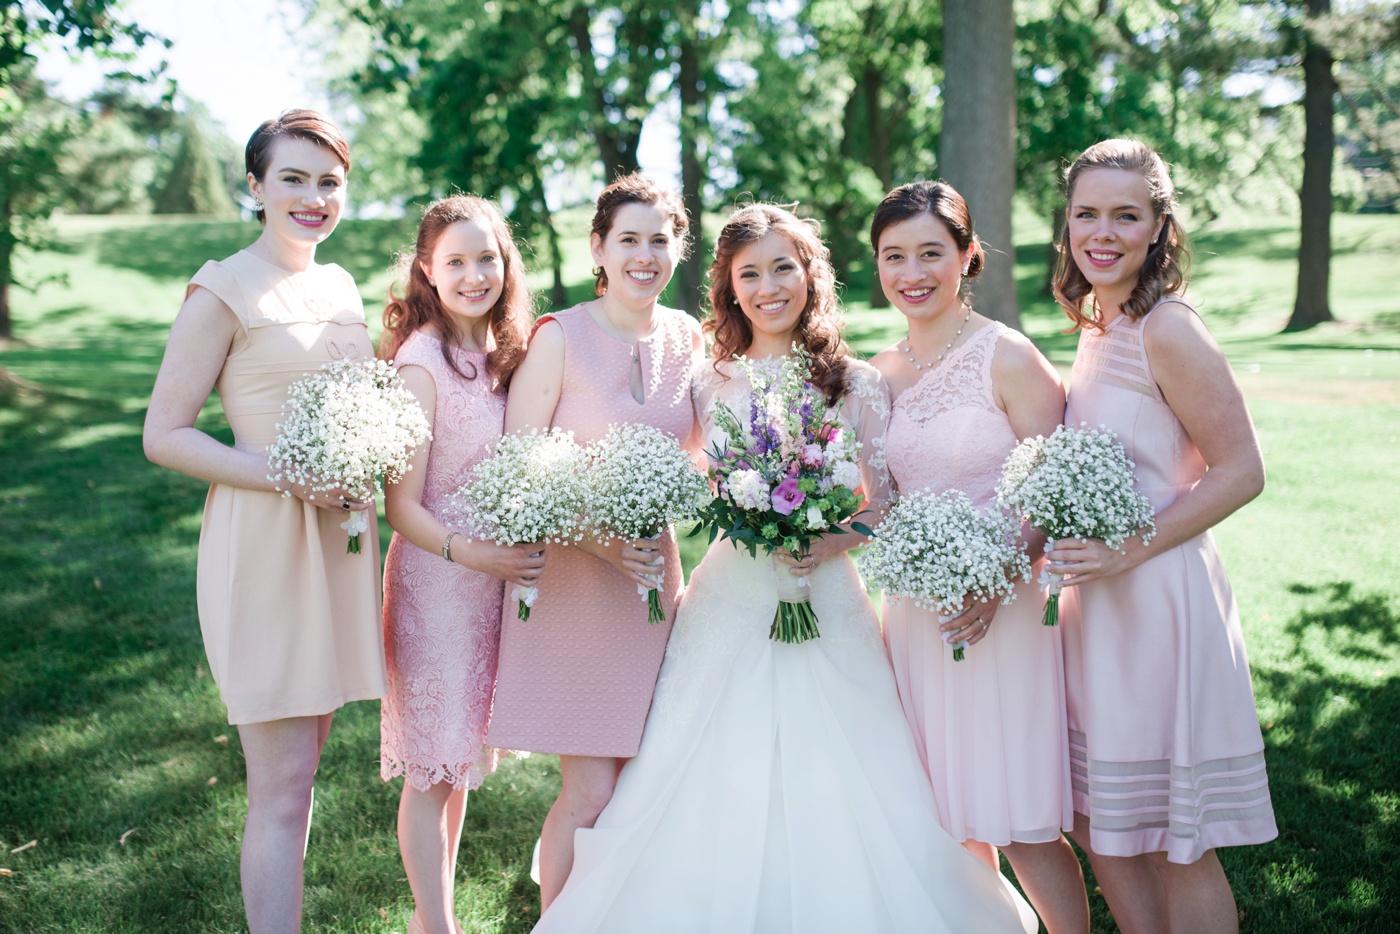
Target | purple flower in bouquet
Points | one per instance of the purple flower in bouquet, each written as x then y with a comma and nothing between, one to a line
787,496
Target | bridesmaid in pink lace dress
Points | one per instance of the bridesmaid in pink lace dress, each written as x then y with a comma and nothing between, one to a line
991,728
456,335
1168,759
577,677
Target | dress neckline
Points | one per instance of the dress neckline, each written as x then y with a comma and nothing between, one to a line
947,361
656,325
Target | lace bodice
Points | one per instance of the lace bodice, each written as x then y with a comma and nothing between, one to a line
442,621
946,431
864,410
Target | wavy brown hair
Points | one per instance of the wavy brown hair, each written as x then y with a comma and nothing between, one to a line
1164,270
309,125
419,306
637,189
819,325
943,202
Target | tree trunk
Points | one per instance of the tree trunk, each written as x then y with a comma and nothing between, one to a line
873,80
691,274
7,248
1311,306
977,142
617,146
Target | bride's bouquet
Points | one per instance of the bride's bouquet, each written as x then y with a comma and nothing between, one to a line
1077,483
530,489
351,425
640,480
938,549
785,474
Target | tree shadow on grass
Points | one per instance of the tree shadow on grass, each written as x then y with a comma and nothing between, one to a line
1334,772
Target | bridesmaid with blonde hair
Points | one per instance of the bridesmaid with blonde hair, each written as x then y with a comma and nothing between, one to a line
457,335
1168,758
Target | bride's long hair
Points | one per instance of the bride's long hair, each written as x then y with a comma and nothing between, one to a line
818,327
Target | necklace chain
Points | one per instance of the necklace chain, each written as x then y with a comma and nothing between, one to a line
909,351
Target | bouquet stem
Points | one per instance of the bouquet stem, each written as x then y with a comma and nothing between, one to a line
526,596
352,545
655,613
1052,610
958,653
795,621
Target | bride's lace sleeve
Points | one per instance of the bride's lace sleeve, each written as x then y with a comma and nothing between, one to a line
867,409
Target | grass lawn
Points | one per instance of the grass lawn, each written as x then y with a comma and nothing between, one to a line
121,783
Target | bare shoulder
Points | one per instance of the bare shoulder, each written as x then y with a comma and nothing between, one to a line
1174,329
886,358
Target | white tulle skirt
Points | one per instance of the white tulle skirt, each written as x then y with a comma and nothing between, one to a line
777,788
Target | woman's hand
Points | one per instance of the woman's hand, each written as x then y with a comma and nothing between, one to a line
337,499
971,625
798,565
520,565
1082,560
640,560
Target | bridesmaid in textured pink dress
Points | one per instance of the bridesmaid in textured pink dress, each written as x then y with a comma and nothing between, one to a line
991,728
576,678
1167,755
457,335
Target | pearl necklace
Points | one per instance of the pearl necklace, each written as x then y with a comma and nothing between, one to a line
909,352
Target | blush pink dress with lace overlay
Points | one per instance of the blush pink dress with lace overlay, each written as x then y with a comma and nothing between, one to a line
1167,754
576,678
442,622
991,728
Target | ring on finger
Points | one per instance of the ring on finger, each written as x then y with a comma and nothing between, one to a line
345,504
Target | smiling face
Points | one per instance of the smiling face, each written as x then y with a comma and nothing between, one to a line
770,284
1111,228
921,267
638,253
303,191
467,270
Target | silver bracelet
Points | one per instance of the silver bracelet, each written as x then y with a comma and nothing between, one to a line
447,546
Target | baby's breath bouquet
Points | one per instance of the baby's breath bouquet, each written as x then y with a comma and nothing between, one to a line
530,489
351,425
785,473
640,480
937,549
1077,483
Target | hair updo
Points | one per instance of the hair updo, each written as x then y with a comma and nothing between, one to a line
943,202
636,189
309,125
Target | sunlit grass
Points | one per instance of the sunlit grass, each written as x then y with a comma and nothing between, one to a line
111,729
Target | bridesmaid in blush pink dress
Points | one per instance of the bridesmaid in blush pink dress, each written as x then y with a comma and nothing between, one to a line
576,678
457,335
991,728
1167,755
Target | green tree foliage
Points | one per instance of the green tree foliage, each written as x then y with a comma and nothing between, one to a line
33,130
197,180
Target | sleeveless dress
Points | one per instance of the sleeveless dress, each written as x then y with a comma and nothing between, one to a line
991,728
442,622
1165,746
777,788
289,619
576,678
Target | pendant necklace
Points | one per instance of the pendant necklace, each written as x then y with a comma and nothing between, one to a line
909,352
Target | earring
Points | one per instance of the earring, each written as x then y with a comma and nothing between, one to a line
432,282
597,271
257,204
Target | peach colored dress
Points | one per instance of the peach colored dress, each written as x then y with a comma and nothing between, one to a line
991,728
289,619
442,622
1166,751
576,678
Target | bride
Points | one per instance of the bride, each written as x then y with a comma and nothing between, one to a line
777,788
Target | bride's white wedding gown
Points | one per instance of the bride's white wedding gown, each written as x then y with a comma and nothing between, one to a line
777,788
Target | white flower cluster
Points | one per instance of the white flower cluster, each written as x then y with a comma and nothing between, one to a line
640,480
350,425
531,488
1077,483
938,548
748,489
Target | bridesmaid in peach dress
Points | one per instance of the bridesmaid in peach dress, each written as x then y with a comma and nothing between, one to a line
576,679
457,334
991,728
289,619
1167,755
